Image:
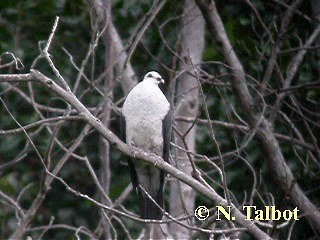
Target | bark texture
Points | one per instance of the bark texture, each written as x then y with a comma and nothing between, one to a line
182,198
106,114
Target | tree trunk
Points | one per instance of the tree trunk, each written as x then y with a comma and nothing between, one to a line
182,196
104,153
128,78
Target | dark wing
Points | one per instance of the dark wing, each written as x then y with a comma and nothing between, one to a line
166,134
148,209
133,173
123,128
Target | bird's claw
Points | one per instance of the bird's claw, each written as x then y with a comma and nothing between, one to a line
132,148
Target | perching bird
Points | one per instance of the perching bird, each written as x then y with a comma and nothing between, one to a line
146,124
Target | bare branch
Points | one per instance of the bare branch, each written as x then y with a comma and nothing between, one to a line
269,144
139,154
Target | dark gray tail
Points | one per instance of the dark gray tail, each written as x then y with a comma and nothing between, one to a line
148,209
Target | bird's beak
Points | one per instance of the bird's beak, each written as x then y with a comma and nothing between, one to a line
162,80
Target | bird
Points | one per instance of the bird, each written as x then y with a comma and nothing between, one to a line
145,121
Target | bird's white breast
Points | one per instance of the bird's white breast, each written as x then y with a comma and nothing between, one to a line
144,109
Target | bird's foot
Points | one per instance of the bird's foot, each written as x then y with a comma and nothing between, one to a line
158,159
133,149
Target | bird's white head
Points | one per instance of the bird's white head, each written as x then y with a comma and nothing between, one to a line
153,77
